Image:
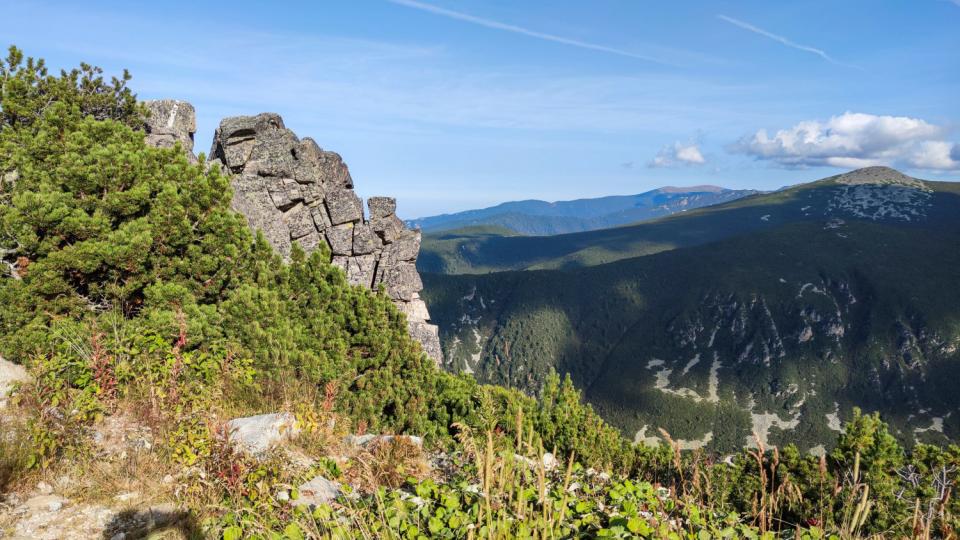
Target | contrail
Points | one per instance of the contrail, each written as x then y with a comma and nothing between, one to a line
497,25
806,48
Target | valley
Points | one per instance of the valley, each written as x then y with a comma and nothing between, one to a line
772,315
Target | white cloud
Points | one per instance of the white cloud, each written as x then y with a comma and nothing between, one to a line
678,154
940,155
853,140
782,40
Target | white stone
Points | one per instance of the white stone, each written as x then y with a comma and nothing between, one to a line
129,496
318,491
10,374
257,434
370,440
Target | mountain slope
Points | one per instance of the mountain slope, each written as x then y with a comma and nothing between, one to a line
775,314
840,197
533,217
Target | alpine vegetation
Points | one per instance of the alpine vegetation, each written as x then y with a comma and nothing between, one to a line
228,346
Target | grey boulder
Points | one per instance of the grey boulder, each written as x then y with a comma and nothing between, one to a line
318,491
257,434
10,375
344,206
171,121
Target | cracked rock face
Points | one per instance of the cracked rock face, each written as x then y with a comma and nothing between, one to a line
296,192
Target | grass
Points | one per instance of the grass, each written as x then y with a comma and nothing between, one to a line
503,489
15,450
496,484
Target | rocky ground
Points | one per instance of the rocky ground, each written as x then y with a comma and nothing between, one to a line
121,487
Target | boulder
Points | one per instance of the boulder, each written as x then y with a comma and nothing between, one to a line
299,221
321,219
318,491
257,434
428,335
402,281
369,440
171,121
312,192
381,207
309,157
360,270
317,164
406,247
340,239
341,261
273,153
344,206
415,309
10,375
237,137
310,242
388,228
252,199
365,241
284,192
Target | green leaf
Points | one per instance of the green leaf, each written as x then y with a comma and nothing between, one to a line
293,532
232,533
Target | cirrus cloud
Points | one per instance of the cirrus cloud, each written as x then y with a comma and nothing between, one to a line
678,154
853,140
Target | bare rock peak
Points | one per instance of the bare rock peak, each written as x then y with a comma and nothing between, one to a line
878,175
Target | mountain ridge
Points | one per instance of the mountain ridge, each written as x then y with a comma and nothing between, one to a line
537,217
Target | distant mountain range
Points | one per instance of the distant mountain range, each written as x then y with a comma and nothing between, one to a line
773,314
534,217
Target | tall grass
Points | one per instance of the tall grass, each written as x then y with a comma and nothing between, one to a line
15,450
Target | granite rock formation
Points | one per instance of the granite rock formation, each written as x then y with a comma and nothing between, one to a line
171,121
295,192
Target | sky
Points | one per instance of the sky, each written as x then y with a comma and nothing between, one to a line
449,105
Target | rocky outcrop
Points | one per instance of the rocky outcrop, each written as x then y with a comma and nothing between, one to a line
48,516
297,193
169,122
880,194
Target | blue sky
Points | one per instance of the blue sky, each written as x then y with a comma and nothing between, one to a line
456,104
